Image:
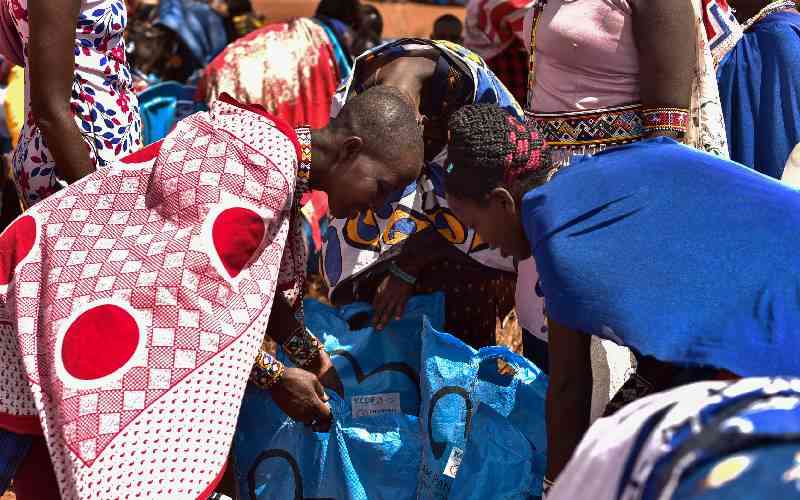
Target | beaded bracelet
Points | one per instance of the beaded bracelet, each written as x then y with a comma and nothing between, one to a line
267,371
302,347
402,275
668,119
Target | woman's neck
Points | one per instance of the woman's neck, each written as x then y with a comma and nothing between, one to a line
323,147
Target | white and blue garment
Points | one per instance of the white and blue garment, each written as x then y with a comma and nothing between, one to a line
709,441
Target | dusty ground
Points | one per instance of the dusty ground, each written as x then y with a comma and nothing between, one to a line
399,19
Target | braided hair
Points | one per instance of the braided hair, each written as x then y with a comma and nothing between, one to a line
490,148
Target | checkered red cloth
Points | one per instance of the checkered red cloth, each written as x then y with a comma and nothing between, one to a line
134,301
491,26
511,67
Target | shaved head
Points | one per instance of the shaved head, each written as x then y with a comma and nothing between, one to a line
386,120
380,150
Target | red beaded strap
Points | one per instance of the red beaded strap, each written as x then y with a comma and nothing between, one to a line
669,119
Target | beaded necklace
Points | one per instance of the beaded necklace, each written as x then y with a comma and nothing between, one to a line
538,8
769,10
304,165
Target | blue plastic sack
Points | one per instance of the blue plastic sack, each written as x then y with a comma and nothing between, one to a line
370,362
369,457
418,403
472,414
496,454
163,105
364,455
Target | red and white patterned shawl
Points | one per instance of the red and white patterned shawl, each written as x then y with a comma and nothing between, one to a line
490,26
135,300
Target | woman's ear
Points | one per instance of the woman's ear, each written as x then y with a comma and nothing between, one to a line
504,200
350,149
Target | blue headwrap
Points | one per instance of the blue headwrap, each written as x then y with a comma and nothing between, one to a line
199,27
337,32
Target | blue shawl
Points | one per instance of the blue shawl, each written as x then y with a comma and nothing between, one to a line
675,253
337,31
759,85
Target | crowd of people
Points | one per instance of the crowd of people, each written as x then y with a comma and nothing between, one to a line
621,173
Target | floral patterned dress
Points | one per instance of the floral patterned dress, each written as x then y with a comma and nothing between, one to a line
104,104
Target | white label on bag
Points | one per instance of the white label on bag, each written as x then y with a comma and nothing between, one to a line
377,404
454,462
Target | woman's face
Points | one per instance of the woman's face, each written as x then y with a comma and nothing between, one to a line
497,221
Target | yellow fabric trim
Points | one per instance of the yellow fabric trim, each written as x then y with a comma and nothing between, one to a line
15,104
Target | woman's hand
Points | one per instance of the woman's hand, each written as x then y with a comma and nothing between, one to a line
419,251
326,373
390,300
301,396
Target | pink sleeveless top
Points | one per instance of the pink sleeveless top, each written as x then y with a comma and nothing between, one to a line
586,56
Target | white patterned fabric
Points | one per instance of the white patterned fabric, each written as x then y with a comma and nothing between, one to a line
723,31
134,302
659,438
491,26
706,130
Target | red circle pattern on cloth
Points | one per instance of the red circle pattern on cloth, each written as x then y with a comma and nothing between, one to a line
99,342
237,234
16,243
138,299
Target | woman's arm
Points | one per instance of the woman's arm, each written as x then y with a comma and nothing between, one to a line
408,74
283,324
666,38
569,394
51,61
419,251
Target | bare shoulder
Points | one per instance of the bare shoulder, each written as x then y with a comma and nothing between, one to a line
661,8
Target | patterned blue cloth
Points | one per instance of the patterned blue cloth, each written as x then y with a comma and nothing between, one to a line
759,85
744,445
675,253
199,27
